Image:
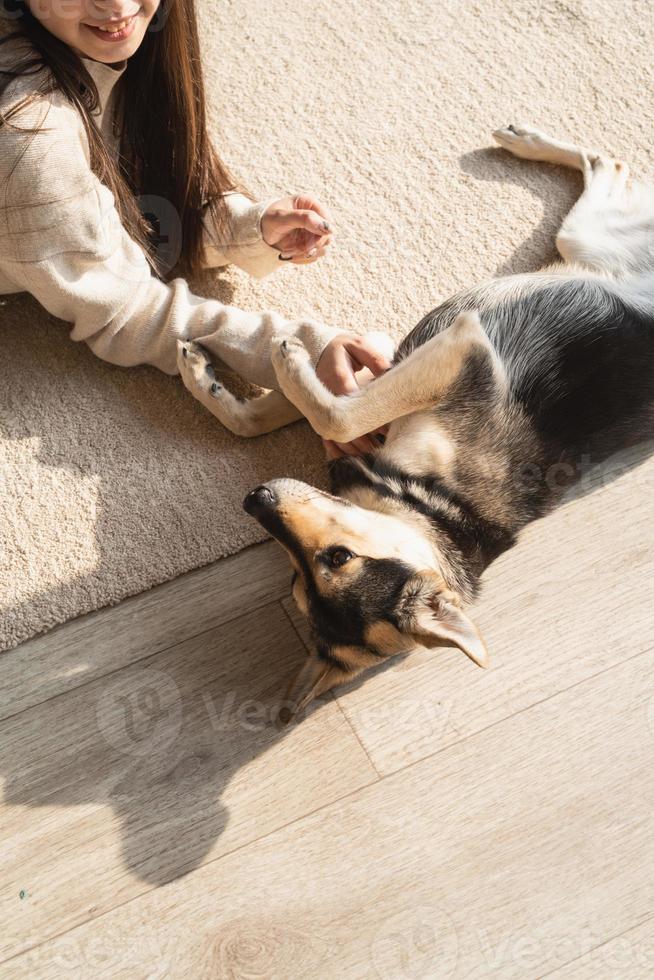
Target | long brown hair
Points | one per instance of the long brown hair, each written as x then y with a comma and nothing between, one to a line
165,151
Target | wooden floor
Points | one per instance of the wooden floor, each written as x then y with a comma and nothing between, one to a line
432,821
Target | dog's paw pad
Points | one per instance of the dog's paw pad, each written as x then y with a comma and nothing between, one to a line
289,347
194,365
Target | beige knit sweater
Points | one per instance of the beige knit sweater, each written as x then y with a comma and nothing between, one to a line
62,241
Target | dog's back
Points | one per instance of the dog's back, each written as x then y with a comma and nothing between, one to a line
578,352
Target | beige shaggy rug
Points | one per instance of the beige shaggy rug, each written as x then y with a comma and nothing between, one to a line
116,479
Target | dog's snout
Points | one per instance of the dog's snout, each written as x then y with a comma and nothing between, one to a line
260,499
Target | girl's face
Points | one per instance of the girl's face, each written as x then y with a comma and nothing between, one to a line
104,30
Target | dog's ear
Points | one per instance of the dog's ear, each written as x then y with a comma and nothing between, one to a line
432,613
315,678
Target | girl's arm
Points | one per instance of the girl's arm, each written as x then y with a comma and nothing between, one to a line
61,240
248,250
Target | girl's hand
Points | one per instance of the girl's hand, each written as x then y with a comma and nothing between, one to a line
300,227
341,360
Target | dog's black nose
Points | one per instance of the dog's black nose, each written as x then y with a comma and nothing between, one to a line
260,499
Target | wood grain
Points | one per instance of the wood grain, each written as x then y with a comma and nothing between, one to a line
103,641
130,782
498,856
629,956
568,601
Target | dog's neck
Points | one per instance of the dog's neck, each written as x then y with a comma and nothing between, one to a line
467,540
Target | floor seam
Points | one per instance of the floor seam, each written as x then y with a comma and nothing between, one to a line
515,714
133,663
358,789
216,860
610,939
333,696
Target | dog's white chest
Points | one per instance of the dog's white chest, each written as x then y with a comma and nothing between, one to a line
420,445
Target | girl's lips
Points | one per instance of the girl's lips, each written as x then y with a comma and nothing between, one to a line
114,36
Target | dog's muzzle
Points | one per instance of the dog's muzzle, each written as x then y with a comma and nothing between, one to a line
260,501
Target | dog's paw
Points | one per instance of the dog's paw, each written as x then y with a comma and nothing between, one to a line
289,349
290,358
522,140
196,369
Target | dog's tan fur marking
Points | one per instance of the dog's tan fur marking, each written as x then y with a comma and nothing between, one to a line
386,639
321,521
300,596
607,236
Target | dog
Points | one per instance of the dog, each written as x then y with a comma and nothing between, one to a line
497,401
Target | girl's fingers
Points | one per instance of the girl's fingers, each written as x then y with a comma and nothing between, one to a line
336,450
307,222
367,355
366,444
358,447
312,256
331,449
301,247
305,202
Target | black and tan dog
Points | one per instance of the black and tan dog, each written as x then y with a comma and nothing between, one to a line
497,401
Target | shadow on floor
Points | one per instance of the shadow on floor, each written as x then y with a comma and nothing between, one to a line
542,180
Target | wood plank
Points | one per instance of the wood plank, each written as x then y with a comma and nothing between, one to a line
299,622
100,642
629,956
489,858
571,599
127,783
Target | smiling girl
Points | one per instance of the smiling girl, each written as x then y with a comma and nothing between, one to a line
108,181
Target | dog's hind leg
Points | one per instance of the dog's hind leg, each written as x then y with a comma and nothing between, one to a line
530,144
242,416
418,382
611,227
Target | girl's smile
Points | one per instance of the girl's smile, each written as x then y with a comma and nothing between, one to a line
116,30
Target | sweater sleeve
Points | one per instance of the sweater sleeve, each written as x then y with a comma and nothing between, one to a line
61,240
248,250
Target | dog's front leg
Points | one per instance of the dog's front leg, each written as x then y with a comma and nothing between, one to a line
243,416
416,383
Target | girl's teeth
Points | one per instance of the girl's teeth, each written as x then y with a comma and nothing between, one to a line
115,27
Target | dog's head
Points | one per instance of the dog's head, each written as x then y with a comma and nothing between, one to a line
369,581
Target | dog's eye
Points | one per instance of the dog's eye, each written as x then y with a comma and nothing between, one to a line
338,557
